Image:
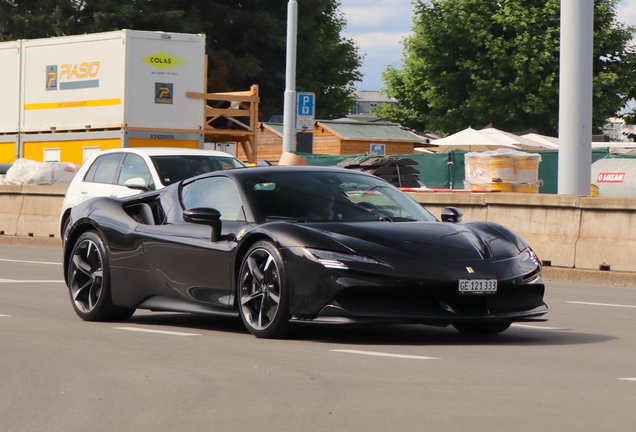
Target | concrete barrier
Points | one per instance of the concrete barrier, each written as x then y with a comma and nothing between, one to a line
549,223
10,206
31,210
567,231
608,234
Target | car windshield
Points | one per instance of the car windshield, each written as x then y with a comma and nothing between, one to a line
174,168
330,196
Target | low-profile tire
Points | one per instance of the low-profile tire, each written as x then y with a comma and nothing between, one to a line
263,292
481,329
65,223
89,281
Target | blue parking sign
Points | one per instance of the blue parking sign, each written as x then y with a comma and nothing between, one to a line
306,104
305,107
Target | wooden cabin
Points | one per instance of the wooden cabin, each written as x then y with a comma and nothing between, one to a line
340,137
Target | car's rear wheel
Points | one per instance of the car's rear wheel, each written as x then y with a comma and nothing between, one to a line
481,328
89,281
263,294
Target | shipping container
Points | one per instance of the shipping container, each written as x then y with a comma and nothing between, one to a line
76,147
10,79
123,79
9,148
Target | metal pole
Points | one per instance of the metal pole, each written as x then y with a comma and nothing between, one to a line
289,109
575,97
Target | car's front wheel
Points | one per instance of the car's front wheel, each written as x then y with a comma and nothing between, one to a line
89,281
263,294
481,328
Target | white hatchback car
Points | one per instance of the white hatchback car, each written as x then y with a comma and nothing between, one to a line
128,171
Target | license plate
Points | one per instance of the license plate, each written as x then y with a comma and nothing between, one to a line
478,286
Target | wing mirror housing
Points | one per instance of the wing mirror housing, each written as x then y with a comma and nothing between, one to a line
452,215
205,216
137,183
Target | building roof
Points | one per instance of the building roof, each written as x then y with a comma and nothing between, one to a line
348,129
370,131
373,96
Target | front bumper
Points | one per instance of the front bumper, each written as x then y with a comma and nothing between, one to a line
344,296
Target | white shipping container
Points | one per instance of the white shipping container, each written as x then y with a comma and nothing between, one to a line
121,79
10,79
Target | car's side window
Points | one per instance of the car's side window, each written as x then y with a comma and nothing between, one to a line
107,168
134,166
91,171
219,193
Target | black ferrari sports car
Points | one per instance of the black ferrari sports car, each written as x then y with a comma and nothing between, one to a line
278,245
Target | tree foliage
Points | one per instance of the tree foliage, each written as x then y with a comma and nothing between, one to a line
476,62
245,40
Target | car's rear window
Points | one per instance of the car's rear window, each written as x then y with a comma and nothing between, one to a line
172,169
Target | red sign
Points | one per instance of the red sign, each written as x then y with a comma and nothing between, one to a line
610,178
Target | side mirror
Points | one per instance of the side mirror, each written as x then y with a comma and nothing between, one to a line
452,214
205,216
137,183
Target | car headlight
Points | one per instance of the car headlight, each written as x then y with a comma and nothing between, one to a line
530,263
337,260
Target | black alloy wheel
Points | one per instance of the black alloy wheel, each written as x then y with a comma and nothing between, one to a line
263,292
89,281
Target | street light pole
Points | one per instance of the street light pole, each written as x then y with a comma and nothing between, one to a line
575,97
289,109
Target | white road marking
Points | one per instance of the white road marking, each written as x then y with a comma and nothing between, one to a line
30,281
381,354
628,379
30,262
172,333
4,315
601,304
537,327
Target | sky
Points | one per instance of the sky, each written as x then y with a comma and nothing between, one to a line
378,26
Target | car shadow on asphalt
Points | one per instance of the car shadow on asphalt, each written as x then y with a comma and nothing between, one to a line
412,334
186,321
428,335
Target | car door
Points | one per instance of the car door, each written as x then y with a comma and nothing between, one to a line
181,255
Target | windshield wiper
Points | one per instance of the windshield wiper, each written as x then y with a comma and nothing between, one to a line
396,219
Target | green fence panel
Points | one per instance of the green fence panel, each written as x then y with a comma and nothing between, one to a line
433,168
457,170
325,160
549,167
548,170
620,156
446,170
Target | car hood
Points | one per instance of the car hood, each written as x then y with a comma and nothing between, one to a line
420,240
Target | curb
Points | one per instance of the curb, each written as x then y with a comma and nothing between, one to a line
554,274
30,241
597,277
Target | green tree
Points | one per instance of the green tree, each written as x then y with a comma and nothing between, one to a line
475,62
32,19
245,40
247,45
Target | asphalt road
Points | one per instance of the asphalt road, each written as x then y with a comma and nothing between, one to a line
171,372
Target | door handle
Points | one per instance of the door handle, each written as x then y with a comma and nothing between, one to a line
113,194
84,191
